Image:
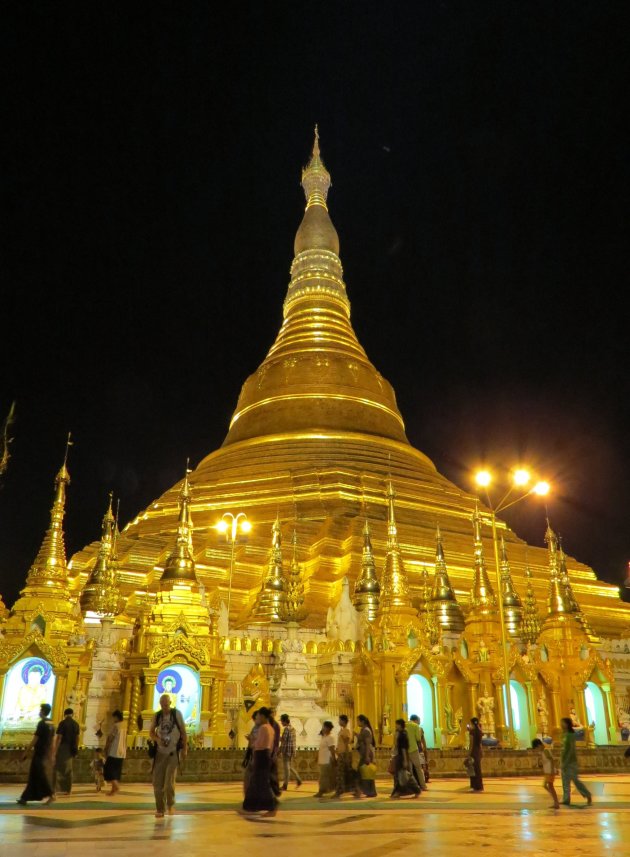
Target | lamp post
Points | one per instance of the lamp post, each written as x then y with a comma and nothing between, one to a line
520,479
231,526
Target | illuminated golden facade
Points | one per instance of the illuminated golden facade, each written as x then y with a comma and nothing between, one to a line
317,447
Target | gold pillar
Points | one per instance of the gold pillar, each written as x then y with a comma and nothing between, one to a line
611,714
500,725
126,697
134,707
439,717
531,710
555,729
59,698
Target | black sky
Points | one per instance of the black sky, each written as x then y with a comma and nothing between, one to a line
151,156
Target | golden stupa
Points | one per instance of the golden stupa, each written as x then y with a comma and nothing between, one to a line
316,456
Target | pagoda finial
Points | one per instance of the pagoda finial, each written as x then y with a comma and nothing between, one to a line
448,614
367,589
50,569
316,180
531,618
394,583
270,604
294,606
180,565
482,597
100,594
558,602
512,604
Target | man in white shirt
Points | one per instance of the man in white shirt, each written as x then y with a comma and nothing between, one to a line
326,760
169,733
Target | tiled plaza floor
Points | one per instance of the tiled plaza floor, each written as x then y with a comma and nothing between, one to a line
511,816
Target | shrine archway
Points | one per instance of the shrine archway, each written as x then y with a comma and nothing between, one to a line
596,712
420,702
520,713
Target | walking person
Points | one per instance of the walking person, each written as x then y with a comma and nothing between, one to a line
569,765
288,749
97,766
346,777
326,760
66,748
549,769
273,772
39,784
415,735
404,780
115,752
169,733
259,796
475,753
248,759
366,749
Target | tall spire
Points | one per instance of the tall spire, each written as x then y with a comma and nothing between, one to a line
50,570
180,565
425,608
96,582
512,604
558,602
270,604
367,589
571,600
394,584
448,613
316,374
482,598
294,608
531,618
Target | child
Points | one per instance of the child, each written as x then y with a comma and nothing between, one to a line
97,767
326,760
549,769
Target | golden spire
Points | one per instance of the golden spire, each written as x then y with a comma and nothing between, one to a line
394,586
271,601
180,565
512,604
531,618
367,589
571,600
558,602
93,589
482,598
316,374
50,570
294,608
425,608
448,614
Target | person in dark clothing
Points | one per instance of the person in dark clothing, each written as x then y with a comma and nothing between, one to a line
66,748
404,781
274,777
39,785
474,729
259,796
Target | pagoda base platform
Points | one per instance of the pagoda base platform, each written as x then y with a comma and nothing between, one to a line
224,765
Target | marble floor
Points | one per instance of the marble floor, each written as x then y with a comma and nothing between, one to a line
512,815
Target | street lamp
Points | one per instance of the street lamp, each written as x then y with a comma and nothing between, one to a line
521,479
231,526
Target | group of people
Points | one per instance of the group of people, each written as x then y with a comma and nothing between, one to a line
346,761
568,763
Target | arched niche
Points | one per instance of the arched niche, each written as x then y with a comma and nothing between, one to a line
596,712
28,684
420,702
181,683
520,713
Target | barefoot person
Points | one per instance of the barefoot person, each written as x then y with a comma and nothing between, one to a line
569,765
365,747
259,797
66,748
549,769
288,748
39,785
475,752
115,752
169,733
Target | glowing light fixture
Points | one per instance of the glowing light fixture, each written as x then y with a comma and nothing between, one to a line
542,489
521,476
222,526
483,478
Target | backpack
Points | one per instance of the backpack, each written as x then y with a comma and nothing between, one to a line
152,745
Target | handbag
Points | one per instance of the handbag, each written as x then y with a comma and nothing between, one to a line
367,772
469,764
152,749
391,767
403,778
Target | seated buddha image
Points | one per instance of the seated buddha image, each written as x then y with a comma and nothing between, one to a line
168,684
31,695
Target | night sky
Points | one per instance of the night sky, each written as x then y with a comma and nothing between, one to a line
151,158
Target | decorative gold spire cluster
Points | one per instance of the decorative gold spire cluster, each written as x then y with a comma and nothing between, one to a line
531,618
270,604
426,612
180,565
448,614
572,601
512,604
394,585
367,589
294,606
558,602
100,594
49,572
483,601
